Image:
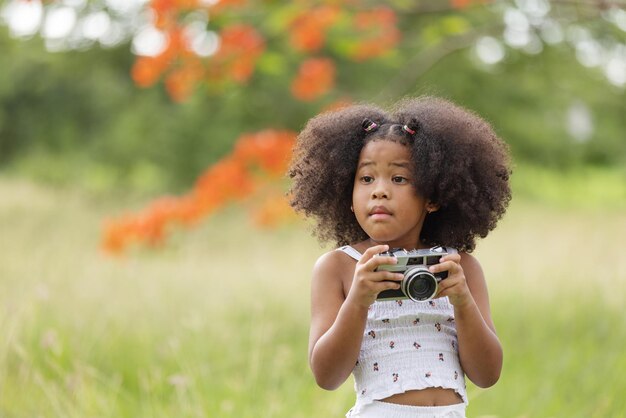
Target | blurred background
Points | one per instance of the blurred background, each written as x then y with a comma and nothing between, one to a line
149,265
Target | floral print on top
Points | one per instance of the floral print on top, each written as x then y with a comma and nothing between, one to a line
406,346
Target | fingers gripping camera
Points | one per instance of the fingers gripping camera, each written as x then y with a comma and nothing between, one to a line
418,283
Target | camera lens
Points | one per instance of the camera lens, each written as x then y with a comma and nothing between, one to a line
419,284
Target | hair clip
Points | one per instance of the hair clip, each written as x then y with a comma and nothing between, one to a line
408,130
369,125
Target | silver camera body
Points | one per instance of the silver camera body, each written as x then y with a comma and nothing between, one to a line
418,283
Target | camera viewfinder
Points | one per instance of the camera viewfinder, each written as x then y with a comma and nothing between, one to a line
432,260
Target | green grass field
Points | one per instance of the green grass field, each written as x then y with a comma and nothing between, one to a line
216,323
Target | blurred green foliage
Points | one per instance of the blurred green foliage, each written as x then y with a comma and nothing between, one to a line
77,116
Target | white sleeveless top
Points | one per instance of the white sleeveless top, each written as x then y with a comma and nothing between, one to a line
406,346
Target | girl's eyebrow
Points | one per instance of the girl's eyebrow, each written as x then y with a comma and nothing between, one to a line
401,164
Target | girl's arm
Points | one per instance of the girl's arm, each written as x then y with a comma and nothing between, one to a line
337,321
479,348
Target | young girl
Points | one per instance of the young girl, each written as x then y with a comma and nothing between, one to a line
427,174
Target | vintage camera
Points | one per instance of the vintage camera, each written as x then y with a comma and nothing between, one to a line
418,283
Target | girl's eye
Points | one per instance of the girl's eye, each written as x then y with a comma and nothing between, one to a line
367,179
399,180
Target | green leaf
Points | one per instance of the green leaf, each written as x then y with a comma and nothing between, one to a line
272,63
454,25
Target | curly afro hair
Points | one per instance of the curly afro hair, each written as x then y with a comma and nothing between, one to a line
459,164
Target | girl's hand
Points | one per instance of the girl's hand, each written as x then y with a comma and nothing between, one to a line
455,285
367,283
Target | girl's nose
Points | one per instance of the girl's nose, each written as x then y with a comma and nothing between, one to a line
380,192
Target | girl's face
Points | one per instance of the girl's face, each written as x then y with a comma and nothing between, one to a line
385,201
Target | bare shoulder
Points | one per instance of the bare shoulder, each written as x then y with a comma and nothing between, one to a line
471,267
332,269
331,260
331,280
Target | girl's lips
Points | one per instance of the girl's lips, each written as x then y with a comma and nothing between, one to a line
380,212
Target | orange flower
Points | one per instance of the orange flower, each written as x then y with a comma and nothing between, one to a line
187,4
181,81
152,222
377,33
162,6
460,4
240,47
234,178
269,150
115,235
226,4
165,13
273,211
307,30
226,180
146,71
315,78
380,16
177,45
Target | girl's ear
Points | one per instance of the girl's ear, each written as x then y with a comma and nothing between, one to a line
431,207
